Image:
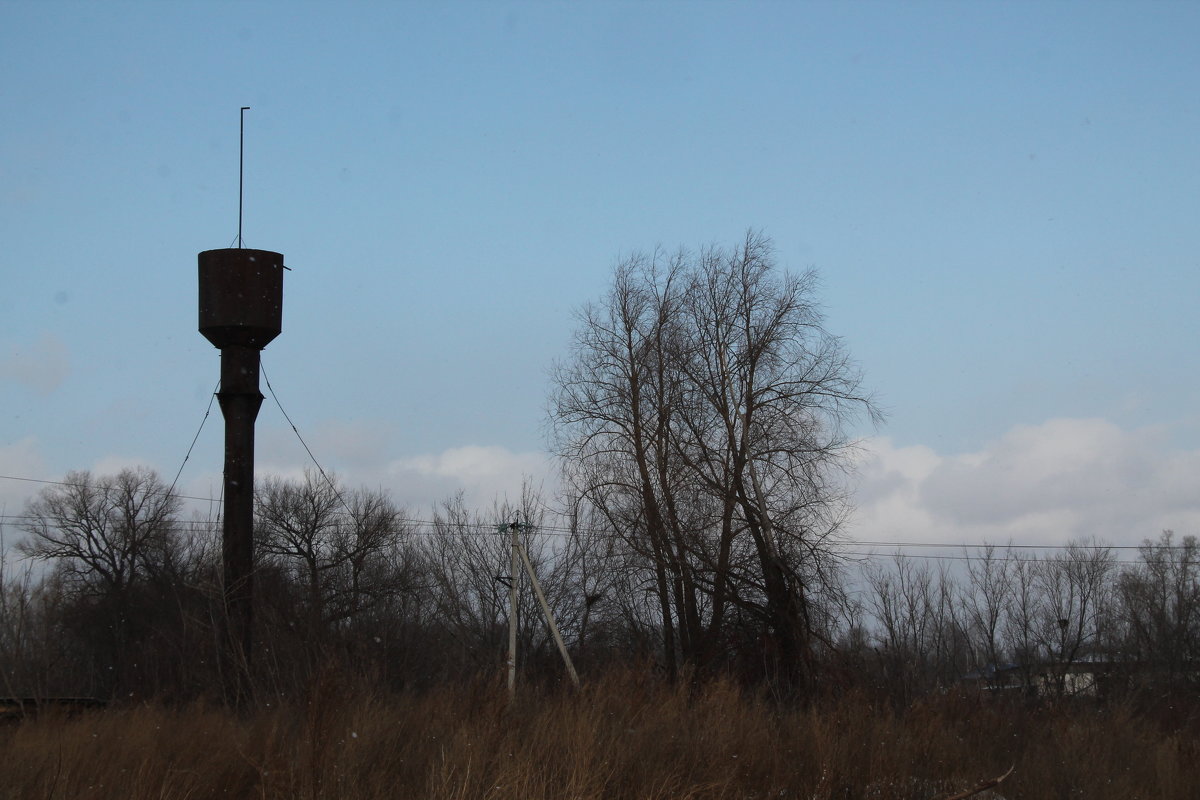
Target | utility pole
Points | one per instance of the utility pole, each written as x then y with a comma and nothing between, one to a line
520,556
515,529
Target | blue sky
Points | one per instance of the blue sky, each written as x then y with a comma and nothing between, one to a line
1000,198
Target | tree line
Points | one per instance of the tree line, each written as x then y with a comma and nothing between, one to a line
1133,626
703,422
112,592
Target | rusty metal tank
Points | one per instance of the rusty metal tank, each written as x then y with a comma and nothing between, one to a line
241,297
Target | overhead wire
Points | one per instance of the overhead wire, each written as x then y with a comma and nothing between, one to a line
429,528
488,527
82,485
993,559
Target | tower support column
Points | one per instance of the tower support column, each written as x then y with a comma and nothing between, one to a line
240,401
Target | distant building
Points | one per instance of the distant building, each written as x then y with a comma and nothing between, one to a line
1087,676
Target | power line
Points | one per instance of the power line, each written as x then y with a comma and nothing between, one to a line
1009,546
488,528
994,559
429,528
83,485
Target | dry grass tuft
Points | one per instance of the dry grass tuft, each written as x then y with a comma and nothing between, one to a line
622,736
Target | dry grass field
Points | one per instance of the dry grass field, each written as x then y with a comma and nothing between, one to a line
620,737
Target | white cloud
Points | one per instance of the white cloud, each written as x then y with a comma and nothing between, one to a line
352,446
360,454
473,463
481,473
1037,484
1047,483
41,365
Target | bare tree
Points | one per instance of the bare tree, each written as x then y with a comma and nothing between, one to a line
112,545
107,533
986,600
1160,607
922,640
23,658
374,554
702,413
348,550
613,407
1022,611
296,524
1076,609
771,390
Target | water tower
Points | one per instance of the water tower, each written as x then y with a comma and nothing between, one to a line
241,311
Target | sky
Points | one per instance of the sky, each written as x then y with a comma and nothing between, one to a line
1000,199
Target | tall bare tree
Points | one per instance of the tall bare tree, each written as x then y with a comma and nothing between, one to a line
112,545
703,412
921,638
348,550
986,599
107,532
